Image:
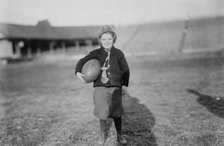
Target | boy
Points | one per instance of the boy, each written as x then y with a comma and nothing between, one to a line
114,78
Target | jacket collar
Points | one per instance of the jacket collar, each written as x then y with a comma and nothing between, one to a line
102,48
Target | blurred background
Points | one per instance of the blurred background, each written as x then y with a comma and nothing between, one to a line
174,49
31,28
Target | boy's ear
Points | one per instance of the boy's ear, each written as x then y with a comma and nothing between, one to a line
99,42
115,37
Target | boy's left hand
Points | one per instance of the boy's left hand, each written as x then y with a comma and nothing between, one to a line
80,76
124,90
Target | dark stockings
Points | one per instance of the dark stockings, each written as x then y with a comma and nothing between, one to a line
118,125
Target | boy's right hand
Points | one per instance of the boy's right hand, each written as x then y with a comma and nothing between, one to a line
80,76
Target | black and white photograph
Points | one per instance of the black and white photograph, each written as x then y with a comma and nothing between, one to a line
111,72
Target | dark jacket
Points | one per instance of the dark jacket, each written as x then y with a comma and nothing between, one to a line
118,72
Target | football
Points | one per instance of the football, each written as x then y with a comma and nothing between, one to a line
91,70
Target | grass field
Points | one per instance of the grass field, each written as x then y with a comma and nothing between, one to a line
174,100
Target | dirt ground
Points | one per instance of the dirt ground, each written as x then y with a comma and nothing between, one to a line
173,100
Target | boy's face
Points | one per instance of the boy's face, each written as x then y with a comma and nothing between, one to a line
107,40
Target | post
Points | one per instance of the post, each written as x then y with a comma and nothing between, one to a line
29,53
38,51
63,47
18,47
77,46
183,37
51,47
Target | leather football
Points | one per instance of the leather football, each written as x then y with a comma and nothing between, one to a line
91,70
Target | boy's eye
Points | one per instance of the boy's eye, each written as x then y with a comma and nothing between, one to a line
107,39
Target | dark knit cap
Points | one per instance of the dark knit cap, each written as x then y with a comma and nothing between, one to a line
104,29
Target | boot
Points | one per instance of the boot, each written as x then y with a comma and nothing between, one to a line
121,140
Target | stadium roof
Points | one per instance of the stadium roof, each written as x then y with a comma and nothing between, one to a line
43,30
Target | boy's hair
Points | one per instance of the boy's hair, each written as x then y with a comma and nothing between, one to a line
104,29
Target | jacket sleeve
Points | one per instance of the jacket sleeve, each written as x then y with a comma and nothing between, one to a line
83,60
125,71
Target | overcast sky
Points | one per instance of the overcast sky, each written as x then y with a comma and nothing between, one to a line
96,12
